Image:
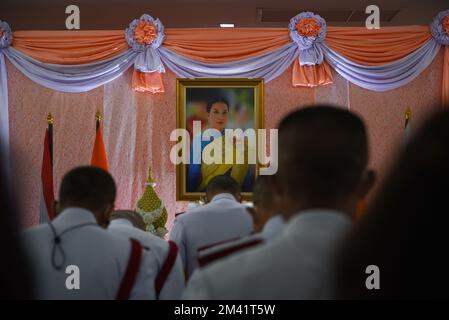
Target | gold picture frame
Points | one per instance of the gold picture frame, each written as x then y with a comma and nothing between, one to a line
193,94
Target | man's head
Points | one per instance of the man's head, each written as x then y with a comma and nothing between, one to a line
264,202
89,188
132,216
323,155
222,184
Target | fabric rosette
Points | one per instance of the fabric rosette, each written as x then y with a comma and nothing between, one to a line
145,35
308,31
5,35
440,28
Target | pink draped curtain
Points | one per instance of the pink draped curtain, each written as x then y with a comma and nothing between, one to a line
137,127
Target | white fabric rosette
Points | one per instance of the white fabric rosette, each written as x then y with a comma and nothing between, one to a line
5,35
149,59
309,43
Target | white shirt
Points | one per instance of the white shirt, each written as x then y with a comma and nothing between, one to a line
157,253
101,258
299,264
272,229
220,220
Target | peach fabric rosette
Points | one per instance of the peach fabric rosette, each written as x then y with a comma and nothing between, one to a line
5,35
308,27
145,32
440,28
308,31
440,32
145,35
446,24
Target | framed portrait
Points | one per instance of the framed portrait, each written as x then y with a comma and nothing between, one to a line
207,110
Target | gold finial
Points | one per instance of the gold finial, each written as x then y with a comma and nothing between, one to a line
408,114
50,119
98,116
150,180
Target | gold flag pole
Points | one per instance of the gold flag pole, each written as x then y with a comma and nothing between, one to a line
407,126
408,117
98,118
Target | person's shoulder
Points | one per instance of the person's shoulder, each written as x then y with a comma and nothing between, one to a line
36,228
238,269
158,246
251,270
228,248
34,237
239,263
191,214
241,210
234,206
181,216
146,239
220,205
116,242
152,241
179,213
231,243
36,231
206,212
262,255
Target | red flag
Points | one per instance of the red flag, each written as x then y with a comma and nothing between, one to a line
47,196
99,158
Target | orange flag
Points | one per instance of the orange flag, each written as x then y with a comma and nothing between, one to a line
99,158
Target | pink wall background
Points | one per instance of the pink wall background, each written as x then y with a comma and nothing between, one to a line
137,127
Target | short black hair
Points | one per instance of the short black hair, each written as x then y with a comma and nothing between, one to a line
87,187
323,152
217,100
263,192
223,183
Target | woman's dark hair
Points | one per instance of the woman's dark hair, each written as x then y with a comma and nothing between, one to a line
405,232
216,100
15,276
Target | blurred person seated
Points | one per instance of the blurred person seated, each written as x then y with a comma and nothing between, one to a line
165,260
16,281
75,257
268,224
266,211
221,219
404,233
322,174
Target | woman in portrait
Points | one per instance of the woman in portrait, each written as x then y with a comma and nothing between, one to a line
199,173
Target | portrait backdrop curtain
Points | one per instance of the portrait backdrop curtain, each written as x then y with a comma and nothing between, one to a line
137,126
72,74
